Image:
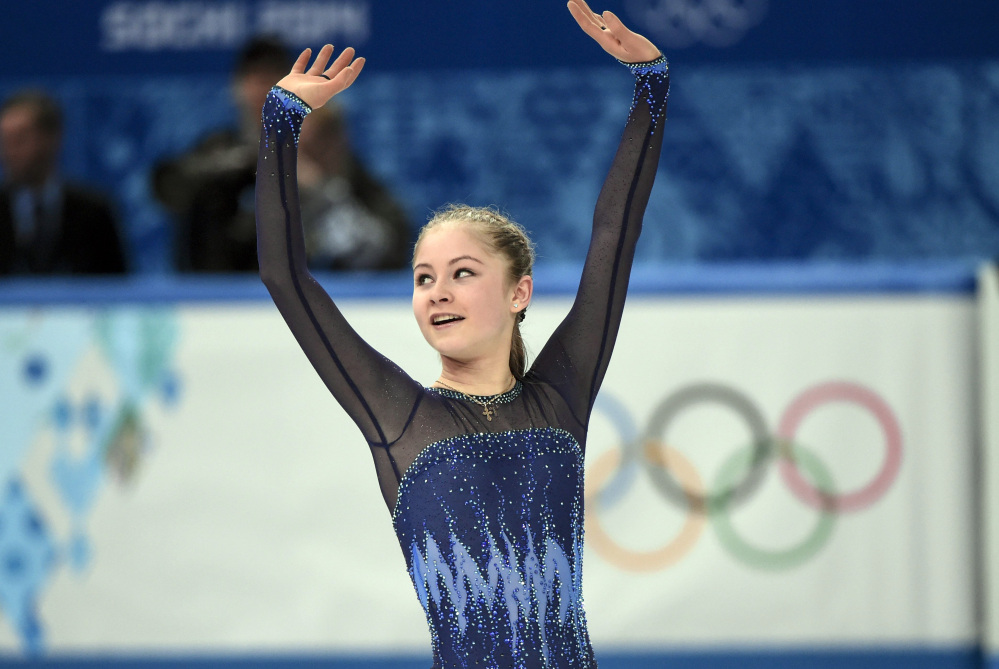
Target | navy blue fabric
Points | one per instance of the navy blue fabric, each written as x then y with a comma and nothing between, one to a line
497,566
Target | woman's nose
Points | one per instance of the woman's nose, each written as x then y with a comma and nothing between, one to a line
439,294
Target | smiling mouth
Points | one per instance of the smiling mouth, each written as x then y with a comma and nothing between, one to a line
445,319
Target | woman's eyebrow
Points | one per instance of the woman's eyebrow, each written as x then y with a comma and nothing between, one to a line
460,258
451,262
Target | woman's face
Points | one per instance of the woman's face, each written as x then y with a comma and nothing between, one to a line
462,297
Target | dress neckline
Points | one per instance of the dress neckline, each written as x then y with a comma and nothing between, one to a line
502,398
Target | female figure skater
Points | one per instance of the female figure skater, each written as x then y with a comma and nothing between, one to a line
482,471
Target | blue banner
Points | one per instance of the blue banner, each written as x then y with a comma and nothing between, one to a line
142,37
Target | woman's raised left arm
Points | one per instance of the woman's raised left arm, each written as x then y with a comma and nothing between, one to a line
576,356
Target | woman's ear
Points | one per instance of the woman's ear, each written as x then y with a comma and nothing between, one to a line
522,293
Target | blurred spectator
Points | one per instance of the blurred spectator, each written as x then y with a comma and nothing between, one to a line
48,225
209,188
350,219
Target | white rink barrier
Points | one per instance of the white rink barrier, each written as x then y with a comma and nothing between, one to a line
767,473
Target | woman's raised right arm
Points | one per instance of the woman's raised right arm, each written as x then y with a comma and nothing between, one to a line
374,391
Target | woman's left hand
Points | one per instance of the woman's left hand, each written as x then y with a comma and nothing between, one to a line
612,35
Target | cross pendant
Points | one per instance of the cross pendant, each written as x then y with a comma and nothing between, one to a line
487,412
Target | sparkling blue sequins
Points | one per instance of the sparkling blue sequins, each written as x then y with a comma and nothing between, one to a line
660,65
652,77
492,528
284,111
523,585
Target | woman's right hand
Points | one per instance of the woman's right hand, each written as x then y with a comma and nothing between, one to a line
320,83
613,36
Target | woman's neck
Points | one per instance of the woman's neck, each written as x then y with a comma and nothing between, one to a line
476,378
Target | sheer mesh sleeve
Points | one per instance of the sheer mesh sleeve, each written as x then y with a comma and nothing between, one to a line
375,393
576,356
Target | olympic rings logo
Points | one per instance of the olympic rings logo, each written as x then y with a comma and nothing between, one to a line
683,23
676,479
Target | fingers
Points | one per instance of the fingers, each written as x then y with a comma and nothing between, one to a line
618,31
584,15
586,8
320,63
587,22
614,24
303,60
342,61
350,73
344,77
356,68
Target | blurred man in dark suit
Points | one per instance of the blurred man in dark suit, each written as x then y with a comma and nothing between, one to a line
351,219
48,226
209,187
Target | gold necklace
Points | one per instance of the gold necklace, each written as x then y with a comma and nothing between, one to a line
486,411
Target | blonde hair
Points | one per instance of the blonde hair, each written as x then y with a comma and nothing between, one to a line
504,236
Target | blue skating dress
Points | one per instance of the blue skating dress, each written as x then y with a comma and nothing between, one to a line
488,509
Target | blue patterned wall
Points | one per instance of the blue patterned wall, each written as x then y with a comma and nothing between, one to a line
843,129
892,161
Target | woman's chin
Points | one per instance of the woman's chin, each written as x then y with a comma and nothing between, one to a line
457,356
458,349
452,355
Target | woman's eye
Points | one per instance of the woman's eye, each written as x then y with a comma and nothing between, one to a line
463,272
423,279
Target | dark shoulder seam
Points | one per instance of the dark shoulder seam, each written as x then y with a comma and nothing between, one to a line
412,414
